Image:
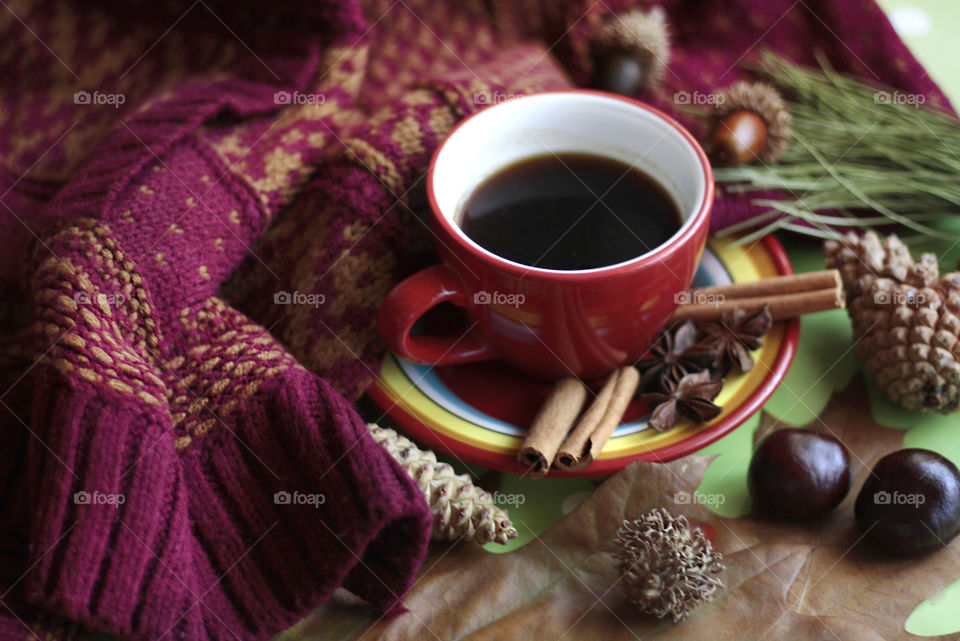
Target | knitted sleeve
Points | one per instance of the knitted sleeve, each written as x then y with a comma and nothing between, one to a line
188,476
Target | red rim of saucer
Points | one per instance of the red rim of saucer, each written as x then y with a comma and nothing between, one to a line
605,467
697,221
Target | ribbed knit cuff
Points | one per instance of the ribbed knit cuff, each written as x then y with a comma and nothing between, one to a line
110,531
239,535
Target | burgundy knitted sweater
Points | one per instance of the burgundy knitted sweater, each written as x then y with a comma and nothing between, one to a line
202,206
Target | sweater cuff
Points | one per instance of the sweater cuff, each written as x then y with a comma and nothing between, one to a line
238,535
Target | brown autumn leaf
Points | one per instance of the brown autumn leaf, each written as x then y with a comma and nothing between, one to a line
843,576
784,581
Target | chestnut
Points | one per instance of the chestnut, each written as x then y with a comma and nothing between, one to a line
910,503
738,138
619,73
797,473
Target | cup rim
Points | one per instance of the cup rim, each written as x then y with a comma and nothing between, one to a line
688,230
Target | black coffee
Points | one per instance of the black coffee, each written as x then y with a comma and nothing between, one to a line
572,211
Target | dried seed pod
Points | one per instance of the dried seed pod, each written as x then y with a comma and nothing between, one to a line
668,568
632,52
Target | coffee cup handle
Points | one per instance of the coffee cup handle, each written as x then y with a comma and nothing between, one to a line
409,301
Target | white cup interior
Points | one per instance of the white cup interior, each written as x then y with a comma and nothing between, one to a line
567,122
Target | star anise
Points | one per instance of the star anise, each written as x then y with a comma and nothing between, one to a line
734,336
674,354
692,397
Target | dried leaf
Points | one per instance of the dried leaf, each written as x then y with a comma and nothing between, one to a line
812,580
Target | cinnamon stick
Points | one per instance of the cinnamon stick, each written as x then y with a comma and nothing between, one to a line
551,424
775,286
600,420
781,307
569,455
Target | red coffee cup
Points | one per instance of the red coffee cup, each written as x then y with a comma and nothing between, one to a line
552,323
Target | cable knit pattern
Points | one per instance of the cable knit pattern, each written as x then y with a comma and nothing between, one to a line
203,204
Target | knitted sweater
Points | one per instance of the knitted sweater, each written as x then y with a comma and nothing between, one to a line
203,205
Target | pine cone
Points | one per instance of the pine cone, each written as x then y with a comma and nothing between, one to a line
906,319
460,509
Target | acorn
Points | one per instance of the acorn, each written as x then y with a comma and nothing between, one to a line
632,51
751,123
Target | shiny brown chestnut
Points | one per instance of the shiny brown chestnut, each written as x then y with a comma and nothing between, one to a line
797,473
910,503
619,73
738,138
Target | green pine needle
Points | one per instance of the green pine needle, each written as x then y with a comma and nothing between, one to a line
859,158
